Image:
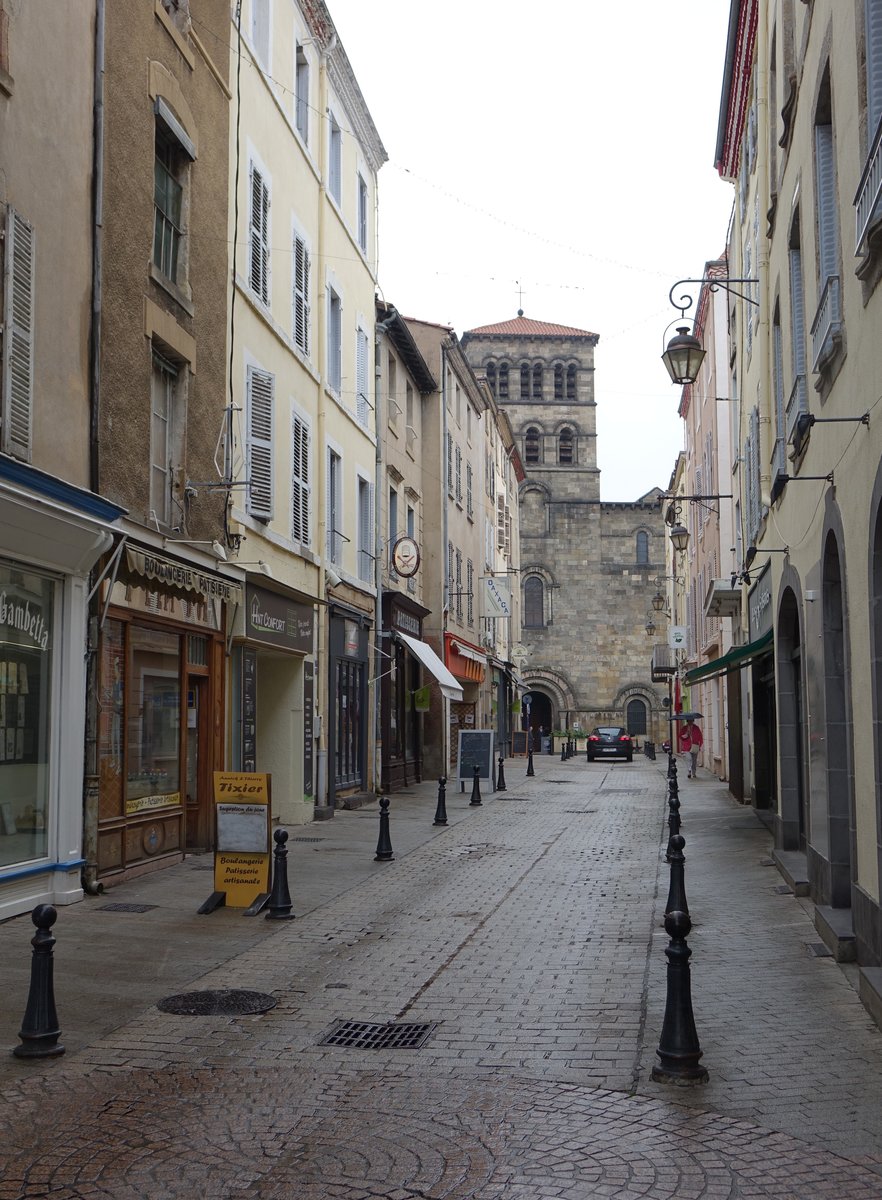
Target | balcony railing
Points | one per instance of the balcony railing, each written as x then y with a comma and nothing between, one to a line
827,325
795,405
866,202
664,662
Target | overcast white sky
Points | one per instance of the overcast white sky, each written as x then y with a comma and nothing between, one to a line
564,148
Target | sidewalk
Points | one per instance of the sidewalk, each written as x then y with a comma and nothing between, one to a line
525,940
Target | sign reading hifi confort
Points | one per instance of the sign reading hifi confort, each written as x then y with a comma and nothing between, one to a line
278,621
760,604
242,857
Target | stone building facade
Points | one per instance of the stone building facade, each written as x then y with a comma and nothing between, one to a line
588,568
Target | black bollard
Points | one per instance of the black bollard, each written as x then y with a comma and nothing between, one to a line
563,752
530,771
476,788
384,843
279,907
677,890
500,778
441,810
39,1031
673,821
678,1047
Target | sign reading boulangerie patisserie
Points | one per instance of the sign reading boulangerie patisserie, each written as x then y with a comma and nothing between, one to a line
278,620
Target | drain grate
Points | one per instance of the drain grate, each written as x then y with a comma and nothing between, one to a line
228,1003
782,889
818,950
127,907
513,799
580,812
307,839
367,1035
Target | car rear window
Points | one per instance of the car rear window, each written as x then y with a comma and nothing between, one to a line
610,730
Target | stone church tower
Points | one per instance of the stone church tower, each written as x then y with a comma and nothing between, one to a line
588,569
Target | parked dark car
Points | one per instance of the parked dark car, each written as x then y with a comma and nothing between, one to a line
609,741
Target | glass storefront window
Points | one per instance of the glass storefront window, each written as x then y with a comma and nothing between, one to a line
26,650
153,719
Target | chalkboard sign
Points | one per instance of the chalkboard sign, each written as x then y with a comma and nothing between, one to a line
519,741
475,750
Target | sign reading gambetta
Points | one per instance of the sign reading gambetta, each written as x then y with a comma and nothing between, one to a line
278,621
182,576
25,618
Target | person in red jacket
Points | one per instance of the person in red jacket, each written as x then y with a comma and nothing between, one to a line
691,741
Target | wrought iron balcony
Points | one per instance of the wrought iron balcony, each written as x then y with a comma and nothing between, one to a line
827,325
867,210
797,404
664,662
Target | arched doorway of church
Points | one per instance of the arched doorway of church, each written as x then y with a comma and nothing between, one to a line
536,714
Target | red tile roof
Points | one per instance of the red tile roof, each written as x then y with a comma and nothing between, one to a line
524,327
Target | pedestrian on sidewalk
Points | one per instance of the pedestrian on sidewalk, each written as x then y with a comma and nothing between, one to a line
691,741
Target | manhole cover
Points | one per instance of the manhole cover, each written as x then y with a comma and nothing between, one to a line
127,907
217,1004
369,1036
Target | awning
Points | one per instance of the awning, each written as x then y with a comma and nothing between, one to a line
430,660
180,578
468,652
739,656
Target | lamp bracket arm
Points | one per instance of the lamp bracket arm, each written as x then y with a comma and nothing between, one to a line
724,282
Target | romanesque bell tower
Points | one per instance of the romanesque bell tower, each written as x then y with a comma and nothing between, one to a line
588,569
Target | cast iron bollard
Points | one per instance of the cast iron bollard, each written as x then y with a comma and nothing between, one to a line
279,907
39,1031
672,766
563,752
673,821
441,810
500,778
384,843
476,788
677,890
678,1047
530,771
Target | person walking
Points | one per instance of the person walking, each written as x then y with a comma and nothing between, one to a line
691,740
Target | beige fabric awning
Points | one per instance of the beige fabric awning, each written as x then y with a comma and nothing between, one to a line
430,660
181,577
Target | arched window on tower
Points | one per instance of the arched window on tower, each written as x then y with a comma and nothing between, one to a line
525,381
642,548
503,381
534,602
491,377
537,381
571,381
558,381
532,446
565,448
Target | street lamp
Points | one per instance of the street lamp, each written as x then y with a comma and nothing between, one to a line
684,353
679,537
650,626
658,602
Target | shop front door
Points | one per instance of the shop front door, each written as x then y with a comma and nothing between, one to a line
199,830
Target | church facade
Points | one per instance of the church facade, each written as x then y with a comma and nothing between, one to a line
589,569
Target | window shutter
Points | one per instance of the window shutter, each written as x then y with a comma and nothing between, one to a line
797,311
500,522
301,295
365,528
260,444
18,359
874,66
300,481
259,233
361,367
828,219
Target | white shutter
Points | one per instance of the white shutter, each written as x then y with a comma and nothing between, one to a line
258,267
260,443
301,295
16,414
500,521
828,217
361,375
300,480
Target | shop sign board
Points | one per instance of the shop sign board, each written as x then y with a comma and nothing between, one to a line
475,750
278,620
243,817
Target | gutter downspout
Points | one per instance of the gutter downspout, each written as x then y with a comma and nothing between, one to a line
379,329
324,793
445,558
90,782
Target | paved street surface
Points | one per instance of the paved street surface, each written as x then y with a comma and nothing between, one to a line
527,935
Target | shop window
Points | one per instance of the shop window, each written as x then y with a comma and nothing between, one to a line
26,650
348,698
153,723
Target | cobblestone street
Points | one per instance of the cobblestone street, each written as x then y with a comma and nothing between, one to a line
528,936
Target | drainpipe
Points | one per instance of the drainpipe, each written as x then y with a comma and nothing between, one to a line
380,328
445,558
90,782
323,791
